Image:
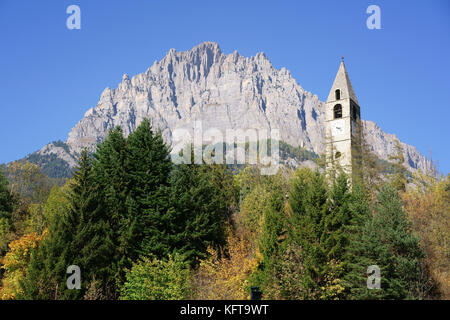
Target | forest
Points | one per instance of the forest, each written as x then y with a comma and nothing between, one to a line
141,228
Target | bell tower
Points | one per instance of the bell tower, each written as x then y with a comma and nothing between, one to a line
342,117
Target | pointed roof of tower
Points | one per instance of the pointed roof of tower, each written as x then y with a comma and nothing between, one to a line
342,82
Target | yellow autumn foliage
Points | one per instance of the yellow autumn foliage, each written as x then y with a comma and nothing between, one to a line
223,276
428,206
15,263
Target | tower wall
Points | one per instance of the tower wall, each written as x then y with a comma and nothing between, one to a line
339,126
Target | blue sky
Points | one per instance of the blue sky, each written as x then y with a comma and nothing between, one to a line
51,75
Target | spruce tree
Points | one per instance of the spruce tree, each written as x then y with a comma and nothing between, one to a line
111,182
271,245
6,199
366,168
398,177
360,215
335,238
308,202
198,211
93,239
386,241
46,275
119,209
148,169
6,209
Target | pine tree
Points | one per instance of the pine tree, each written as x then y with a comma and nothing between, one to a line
386,241
93,240
6,209
6,199
366,168
112,187
149,167
308,202
335,238
198,211
46,275
398,177
118,210
360,215
271,245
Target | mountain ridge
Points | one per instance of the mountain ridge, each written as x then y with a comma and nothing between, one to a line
224,91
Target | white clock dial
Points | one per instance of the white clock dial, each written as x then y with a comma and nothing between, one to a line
337,127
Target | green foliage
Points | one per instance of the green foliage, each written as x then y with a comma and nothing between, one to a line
121,206
249,219
136,224
428,207
6,199
399,177
335,238
367,168
148,169
313,265
386,240
271,244
115,220
6,209
65,246
301,154
51,165
153,279
307,228
199,208
61,144
40,215
28,182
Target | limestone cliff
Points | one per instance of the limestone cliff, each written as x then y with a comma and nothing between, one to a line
224,91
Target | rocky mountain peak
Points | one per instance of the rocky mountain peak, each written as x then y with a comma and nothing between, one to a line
223,91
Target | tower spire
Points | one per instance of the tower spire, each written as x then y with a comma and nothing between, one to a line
343,84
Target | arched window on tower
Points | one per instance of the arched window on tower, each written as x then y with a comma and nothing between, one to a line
337,94
337,111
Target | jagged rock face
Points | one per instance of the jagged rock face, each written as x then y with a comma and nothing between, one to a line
60,152
224,92
383,145
203,84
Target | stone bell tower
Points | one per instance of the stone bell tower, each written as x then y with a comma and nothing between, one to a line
342,117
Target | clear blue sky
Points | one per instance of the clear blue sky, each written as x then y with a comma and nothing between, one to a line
51,75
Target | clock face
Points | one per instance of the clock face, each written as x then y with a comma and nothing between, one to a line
337,127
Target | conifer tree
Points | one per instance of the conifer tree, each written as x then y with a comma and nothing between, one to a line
198,211
271,245
386,241
308,202
93,240
366,168
6,199
398,177
148,168
360,215
62,247
335,238
6,209
111,182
